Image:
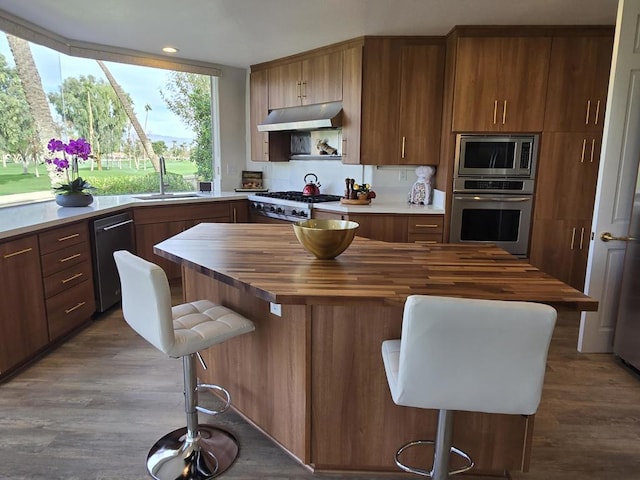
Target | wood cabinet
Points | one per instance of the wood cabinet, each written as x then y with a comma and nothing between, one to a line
500,84
154,224
68,279
578,80
23,321
258,111
391,227
314,79
564,200
401,100
351,104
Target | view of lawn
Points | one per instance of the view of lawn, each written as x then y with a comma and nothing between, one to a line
115,178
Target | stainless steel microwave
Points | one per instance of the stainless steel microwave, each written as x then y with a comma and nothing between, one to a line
496,155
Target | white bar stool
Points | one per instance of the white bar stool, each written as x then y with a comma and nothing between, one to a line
194,452
464,354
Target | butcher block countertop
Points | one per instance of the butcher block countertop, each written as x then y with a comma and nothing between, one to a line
268,262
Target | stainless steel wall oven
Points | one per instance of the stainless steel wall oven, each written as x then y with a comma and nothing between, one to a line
493,191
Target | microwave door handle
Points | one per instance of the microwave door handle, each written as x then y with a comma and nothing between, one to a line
495,199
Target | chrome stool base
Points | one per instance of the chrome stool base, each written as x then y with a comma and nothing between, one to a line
174,457
432,473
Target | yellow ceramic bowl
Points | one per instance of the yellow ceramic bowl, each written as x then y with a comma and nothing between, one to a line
325,239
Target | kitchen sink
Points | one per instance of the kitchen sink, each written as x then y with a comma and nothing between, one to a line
160,196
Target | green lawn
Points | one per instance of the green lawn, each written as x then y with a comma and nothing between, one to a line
13,180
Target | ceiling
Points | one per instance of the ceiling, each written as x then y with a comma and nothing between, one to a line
244,32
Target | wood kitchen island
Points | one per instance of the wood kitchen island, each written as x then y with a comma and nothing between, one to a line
311,375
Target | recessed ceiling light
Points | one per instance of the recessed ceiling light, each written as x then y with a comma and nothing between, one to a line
169,49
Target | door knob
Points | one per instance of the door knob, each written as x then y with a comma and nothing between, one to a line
606,237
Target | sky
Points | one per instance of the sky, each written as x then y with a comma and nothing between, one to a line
143,85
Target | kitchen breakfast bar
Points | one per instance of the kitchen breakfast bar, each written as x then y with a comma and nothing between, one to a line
311,375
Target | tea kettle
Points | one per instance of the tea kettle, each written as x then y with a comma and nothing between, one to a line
311,188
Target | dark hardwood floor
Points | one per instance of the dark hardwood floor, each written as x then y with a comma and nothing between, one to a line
92,408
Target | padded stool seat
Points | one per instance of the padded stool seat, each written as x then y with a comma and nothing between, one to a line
464,354
194,452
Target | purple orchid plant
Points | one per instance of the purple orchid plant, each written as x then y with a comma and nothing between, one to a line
67,164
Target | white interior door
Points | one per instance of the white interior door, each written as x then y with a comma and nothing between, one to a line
616,182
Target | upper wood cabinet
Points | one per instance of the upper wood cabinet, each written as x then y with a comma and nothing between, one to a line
258,111
317,79
578,80
351,104
500,84
401,103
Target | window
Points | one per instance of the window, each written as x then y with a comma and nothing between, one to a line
131,115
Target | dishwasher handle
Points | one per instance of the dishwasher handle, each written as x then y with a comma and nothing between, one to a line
116,225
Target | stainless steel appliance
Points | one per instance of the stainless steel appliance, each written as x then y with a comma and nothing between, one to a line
496,155
494,178
108,235
284,207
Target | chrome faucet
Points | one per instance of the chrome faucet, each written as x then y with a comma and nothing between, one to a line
163,171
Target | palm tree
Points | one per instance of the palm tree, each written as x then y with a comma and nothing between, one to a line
128,108
29,76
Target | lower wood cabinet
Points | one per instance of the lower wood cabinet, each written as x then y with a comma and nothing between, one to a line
23,321
391,227
154,224
67,277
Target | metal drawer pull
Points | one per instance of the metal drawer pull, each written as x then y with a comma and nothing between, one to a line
75,307
584,147
586,120
403,142
62,260
426,241
427,225
581,237
495,112
573,237
19,252
72,277
68,237
593,148
504,113
110,227
597,112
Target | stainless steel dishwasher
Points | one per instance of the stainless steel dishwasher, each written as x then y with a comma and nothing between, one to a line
108,235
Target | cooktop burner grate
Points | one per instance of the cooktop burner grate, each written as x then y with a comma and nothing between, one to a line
299,197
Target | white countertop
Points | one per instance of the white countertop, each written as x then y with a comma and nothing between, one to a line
382,206
20,219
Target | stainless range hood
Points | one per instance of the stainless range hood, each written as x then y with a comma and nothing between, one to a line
308,117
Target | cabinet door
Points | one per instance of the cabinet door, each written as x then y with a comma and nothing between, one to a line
380,100
475,102
500,84
322,79
567,175
522,83
150,234
387,228
560,248
351,104
578,80
23,321
421,93
258,111
285,86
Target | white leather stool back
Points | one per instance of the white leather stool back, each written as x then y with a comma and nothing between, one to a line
146,299
474,355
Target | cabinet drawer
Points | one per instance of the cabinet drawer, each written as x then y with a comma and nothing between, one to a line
59,260
67,278
172,213
425,238
63,237
426,224
70,309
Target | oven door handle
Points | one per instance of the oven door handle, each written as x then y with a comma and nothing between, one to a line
495,199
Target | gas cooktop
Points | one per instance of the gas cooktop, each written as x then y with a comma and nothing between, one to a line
299,197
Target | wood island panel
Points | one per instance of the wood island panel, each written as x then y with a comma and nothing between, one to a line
313,378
